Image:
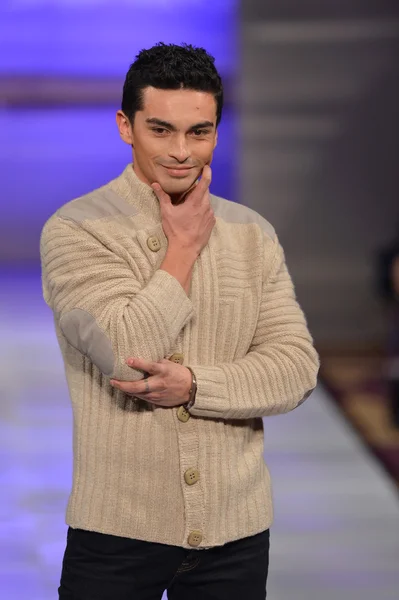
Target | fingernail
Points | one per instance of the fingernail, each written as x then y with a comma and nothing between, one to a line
130,361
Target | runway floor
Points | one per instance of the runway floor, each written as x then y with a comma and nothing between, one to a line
336,531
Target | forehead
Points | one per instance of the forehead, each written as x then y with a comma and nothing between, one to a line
179,105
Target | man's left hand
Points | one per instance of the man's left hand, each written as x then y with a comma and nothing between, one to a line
167,383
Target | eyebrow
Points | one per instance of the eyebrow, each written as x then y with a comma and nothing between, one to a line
161,123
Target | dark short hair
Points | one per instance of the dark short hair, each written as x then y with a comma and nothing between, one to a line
170,67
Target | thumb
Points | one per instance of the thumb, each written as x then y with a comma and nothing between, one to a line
205,181
207,175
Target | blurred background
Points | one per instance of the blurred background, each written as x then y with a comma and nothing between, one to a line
309,139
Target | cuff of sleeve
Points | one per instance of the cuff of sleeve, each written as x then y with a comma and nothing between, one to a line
211,397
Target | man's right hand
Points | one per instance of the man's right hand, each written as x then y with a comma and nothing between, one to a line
188,225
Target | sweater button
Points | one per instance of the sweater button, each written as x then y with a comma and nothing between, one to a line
177,358
195,538
191,476
153,243
182,414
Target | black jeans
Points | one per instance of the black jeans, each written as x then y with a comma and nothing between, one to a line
106,567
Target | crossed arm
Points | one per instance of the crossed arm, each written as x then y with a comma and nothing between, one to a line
277,375
102,306
99,301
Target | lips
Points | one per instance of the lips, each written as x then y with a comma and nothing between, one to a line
178,171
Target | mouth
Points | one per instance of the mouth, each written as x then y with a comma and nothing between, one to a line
179,172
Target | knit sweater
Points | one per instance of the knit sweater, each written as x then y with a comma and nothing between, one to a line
197,478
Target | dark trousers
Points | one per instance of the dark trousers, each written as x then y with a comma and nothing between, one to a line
97,566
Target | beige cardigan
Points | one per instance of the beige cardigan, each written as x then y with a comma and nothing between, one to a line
194,479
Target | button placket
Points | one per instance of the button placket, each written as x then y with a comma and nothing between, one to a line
195,538
183,415
191,476
153,243
177,358
188,440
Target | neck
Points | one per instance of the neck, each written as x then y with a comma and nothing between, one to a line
177,199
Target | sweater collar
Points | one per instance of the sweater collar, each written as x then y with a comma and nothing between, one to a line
138,193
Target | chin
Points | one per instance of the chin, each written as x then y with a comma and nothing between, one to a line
178,187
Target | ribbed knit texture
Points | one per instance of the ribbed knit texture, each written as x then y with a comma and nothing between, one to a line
240,329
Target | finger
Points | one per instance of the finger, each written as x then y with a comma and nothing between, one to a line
203,184
153,398
207,174
206,178
144,387
147,366
162,196
129,387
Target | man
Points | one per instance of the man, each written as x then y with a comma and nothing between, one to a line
180,330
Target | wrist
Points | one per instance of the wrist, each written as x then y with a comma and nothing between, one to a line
192,391
179,263
182,253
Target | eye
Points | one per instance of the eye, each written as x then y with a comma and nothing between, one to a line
200,132
159,130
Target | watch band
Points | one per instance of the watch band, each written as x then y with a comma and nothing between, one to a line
192,392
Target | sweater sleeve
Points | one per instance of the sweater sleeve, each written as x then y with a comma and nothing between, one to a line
280,370
102,305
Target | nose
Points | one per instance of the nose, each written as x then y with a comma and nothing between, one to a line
179,149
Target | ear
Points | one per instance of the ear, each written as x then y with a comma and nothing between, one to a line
125,127
216,139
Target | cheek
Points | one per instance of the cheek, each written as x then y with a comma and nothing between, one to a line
147,147
204,151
